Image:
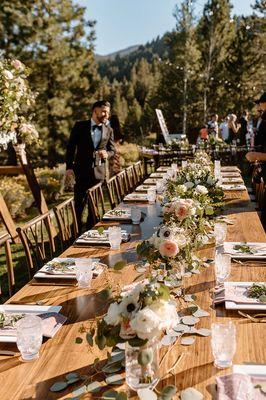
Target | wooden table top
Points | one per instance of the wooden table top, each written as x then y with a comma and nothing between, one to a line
61,355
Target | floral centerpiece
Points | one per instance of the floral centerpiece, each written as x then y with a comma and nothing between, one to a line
138,317
16,104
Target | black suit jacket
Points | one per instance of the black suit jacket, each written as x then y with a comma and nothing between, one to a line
80,151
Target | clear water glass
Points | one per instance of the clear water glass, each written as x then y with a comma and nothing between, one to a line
220,230
174,167
222,267
160,186
184,163
29,337
223,343
84,272
135,215
151,195
115,237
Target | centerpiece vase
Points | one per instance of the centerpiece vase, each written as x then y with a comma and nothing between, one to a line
142,365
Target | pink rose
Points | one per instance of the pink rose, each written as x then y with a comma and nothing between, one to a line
17,64
168,208
168,248
181,210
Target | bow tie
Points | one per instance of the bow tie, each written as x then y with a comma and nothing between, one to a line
97,127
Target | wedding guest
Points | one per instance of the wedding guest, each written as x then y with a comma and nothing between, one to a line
213,127
243,128
203,134
233,128
90,144
224,129
115,161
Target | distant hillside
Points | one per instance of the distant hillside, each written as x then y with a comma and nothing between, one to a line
118,65
120,53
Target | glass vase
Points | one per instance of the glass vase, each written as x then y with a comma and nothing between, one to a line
142,365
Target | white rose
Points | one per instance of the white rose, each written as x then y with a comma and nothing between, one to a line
146,324
189,185
181,240
7,74
181,188
166,312
129,305
113,316
210,180
201,189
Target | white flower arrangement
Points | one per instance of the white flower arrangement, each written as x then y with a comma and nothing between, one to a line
16,104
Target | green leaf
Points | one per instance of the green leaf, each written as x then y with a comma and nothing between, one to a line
168,392
89,338
145,357
105,294
164,292
120,265
78,340
100,230
109,394
136,342
58,386
121,396
262,298
100,341
71,375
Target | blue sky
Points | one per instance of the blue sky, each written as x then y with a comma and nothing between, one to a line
123,23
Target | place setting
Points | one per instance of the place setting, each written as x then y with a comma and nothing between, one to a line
102,236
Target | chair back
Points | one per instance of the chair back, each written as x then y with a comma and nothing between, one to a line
131,178
67,222
5,241
113,191
96,202
38,241
139,172
123,186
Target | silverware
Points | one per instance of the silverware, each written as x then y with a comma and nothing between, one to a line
255,317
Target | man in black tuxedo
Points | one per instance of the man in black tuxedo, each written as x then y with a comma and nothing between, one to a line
90,144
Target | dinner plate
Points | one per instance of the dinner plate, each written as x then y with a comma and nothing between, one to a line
233,187
118,215
93,237
250,369
142,188
136,197
24,309
230,168
230,174
231,305
157,175
46,273
259,250
151,181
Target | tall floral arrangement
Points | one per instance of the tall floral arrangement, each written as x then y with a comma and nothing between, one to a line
16,104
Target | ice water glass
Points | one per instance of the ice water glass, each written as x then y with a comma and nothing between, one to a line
29,337
184,163
222,267
220,230
135,215
223,343
115,237
84,272
151,195
160,186
174,167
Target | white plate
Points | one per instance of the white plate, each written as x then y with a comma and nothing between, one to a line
41,274
151,181
157,175
135,197
230,168
229,249
233,187
142,188
126,216
250,369
25,309
230,305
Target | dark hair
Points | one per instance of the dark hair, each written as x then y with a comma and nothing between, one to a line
101,103
115,125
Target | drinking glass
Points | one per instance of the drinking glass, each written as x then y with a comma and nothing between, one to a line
115,237
29,337
151,195
222,267
223,342
220,230
174,167
135,215
84,272
160,186
183,163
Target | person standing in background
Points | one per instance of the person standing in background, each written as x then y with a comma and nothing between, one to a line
224,129
90,145
233,128
213,127
244,129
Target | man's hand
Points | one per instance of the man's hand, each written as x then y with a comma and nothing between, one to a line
103,154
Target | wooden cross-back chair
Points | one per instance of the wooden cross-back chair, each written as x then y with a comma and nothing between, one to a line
122,184
96,202
67,222
139,172
131,178
5,241
113,191
38,241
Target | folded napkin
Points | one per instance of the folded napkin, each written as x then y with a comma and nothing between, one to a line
117,215
135,197
150,181
239,387
236,294
233,187
142,188
94,237
51,323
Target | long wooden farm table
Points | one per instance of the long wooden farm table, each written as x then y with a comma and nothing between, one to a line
61,355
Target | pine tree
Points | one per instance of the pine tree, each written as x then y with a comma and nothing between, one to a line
51,37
